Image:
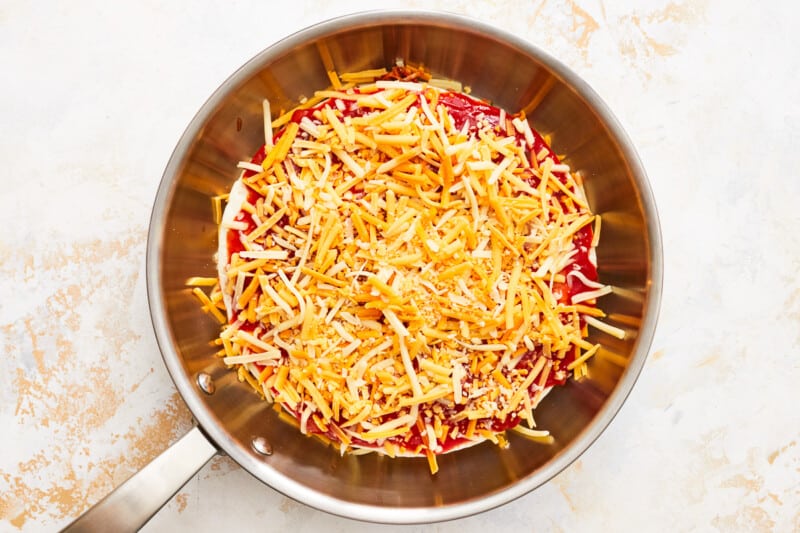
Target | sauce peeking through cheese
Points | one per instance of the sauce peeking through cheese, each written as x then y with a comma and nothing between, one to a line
400,275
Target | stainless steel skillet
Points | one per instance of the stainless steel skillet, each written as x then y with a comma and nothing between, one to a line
513,74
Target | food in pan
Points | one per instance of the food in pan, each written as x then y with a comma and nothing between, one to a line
406,269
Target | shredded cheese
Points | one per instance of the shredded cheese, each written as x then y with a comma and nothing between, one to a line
406,269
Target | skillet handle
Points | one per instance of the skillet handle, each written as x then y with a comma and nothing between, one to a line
133,503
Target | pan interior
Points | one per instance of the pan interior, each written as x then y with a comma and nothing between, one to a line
510,73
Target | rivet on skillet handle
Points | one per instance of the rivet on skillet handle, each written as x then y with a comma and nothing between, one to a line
261,446
132,504
206,383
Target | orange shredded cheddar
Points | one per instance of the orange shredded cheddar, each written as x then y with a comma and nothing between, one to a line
398,268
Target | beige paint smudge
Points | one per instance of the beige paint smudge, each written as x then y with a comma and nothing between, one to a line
565,493
629,47
182,499
219,466
750,484
710,360
706,456
288,505
792,307
793,303
748,518
774,455
583,25
74,492
571,22
63,398
640,34
564,483
757,508
88,403
637,42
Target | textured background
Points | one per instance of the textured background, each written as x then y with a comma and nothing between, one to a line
93,100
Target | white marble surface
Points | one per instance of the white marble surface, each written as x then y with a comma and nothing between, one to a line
94,98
